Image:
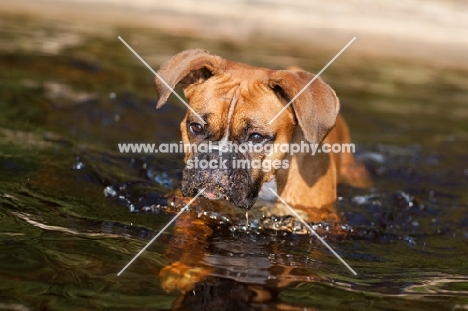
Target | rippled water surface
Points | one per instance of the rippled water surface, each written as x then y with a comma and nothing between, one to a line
74,211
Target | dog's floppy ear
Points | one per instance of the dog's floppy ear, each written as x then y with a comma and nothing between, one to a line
316,108
185,68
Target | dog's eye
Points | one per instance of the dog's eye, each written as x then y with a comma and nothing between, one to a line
256,138
196,128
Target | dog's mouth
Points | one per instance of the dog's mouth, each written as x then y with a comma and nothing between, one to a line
230,184
212,196
239,194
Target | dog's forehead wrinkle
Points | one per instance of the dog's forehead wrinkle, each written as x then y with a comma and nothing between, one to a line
219,90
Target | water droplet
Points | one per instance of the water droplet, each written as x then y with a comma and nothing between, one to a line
110,192
359,200
79,166
161,178
410,240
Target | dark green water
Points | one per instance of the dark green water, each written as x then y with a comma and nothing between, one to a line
69,94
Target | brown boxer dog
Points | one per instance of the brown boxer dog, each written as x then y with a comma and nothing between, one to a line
236,103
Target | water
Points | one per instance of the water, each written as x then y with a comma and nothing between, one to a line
74,211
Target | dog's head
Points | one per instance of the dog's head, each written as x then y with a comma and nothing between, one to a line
232,105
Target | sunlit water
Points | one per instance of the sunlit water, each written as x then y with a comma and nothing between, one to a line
74,211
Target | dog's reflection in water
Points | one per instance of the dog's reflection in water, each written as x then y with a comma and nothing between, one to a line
250,275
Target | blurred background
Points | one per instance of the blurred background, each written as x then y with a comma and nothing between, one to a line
413,28
74,211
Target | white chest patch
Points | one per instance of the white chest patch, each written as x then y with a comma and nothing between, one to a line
265,193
